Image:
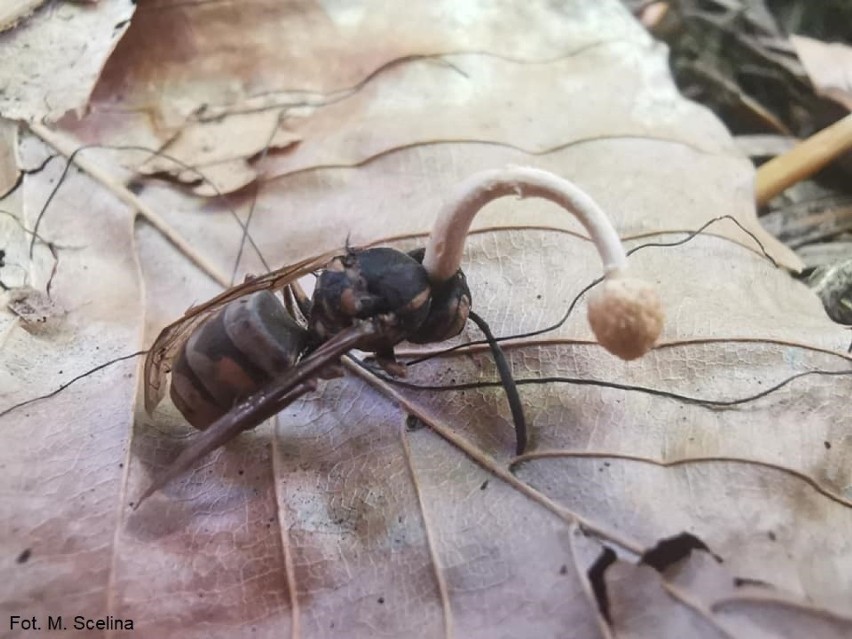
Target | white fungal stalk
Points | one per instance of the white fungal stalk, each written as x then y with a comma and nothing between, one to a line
625,313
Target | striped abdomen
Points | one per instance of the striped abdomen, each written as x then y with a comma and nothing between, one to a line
233,354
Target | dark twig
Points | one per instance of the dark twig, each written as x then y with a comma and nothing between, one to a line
507,381
578,381
153,153
71,381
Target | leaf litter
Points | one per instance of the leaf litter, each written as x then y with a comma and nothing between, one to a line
347,485
54,57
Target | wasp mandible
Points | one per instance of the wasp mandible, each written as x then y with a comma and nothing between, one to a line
243,356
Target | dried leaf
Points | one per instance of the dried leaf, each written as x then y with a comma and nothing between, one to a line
205,61
12,11
769,617
463,89
70,450
181,93
9,171
829,66
706,600
52,60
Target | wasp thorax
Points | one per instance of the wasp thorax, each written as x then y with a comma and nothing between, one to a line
369,283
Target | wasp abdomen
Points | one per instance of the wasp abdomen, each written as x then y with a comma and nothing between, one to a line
232,355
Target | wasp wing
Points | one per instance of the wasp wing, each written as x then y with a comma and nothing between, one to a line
172,337
265,403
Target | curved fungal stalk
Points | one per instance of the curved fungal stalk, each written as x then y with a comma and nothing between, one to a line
625,313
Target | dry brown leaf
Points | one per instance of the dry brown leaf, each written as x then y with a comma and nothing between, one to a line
63,459
463,89
757,533
9,171
829,66
13,11
770,617
205,61
173,96
220,149
383,110
51,60
706,599
640,606
384,511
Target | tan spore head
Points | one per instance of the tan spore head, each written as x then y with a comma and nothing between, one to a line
626,315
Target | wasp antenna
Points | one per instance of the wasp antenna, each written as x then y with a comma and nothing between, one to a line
508,382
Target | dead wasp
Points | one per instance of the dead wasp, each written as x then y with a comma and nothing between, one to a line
243,356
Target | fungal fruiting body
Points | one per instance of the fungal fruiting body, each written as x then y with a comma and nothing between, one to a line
240,358
625,313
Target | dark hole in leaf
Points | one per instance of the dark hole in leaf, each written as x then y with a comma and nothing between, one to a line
672,550
739,582
135,186
412,423
596,578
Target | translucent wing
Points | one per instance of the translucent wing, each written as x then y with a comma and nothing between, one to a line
172,337
265,403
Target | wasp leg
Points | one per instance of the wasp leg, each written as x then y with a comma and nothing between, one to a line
301,298
332,371
265,403
294,306
508,382
387,360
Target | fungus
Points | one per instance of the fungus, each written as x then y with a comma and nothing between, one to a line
624,312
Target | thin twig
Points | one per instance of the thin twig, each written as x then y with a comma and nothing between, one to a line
68,148
804,160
